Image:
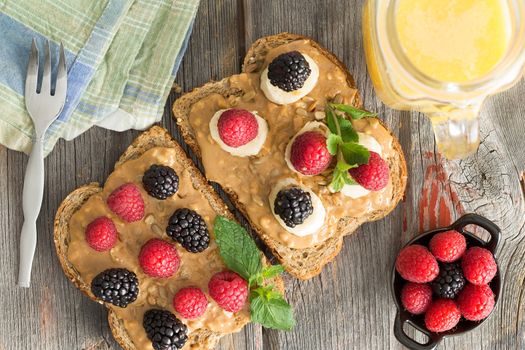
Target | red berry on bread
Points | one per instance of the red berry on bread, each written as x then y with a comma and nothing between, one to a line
159,258
309,154
190,302
229,290
237,127
126,201
374,175
101,234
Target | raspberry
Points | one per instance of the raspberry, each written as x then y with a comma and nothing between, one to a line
448,246
442,315
476,302
159,258
190,302
229,290
126,201
374,175
479,266
237,127
416,264
416,297
309,154
101,234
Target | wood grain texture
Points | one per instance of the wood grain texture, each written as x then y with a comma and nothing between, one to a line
349,305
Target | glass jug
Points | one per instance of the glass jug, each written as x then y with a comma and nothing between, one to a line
407,77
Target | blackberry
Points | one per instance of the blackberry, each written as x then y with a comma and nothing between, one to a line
119,287
189,229
289,71
165,331
293,205
449,282
160,181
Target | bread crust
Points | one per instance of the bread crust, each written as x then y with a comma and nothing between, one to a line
307,262
154,137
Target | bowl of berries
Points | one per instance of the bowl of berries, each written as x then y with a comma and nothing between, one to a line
446,282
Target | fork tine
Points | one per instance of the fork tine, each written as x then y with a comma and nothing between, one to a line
32,71
61,84
46,78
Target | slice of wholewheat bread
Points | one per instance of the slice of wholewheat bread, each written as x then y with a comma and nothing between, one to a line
155,137
306,262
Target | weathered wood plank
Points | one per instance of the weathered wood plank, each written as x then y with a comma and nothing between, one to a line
349,305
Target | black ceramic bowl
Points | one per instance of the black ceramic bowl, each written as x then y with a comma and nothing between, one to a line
418,321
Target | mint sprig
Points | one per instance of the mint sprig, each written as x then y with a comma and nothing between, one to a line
237,249
342,142
240,254
272,312
353,112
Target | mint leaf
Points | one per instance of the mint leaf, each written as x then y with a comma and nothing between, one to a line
353,112
343,142
340,176
343,171
354,153
267,272
272,271
272,312
337,181
343,167
255,280
332,142
237,248
348,134
349,180
330,121
266,292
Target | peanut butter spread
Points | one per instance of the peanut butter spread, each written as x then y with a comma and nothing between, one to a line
195,269
252,178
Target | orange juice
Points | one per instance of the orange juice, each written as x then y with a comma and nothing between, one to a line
453,40
444,58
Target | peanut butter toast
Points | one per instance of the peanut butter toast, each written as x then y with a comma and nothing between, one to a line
255,172
81,264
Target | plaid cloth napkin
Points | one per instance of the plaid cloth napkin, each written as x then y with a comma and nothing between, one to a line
122,56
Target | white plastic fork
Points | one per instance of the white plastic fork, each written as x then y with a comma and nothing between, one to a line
43,107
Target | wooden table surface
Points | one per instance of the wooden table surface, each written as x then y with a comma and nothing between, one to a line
349,305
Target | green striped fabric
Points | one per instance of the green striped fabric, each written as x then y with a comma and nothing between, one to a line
122,59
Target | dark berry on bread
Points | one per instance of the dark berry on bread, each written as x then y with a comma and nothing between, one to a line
117,286
164,329
289,71
293,205
160,181
189,229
